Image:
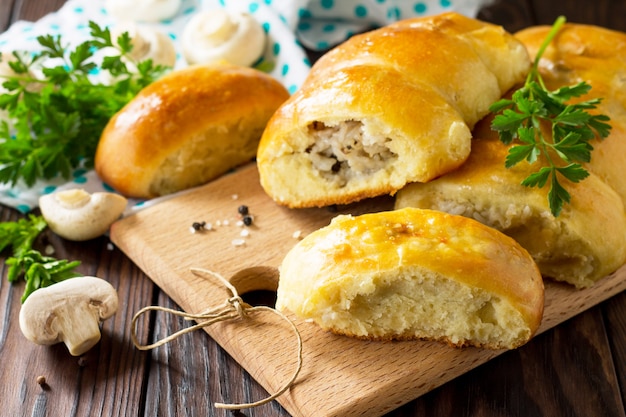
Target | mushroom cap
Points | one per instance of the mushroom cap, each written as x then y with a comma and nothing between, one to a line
217,35
148,43
69,311
77,215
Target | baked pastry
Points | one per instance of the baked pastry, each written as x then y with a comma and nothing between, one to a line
414,274
584,243
385,108
598,56
186,129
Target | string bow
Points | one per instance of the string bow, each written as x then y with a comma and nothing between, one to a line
232,308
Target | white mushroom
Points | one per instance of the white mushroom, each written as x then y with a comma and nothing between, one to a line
143,10
77,215
217,35
69,311
148,43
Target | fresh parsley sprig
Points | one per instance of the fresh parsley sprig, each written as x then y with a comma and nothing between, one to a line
20,235
37,270
55,119
533,108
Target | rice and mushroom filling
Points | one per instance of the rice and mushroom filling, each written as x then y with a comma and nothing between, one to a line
345,151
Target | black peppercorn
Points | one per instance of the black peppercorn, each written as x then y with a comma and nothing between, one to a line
198,225
247,220
243,210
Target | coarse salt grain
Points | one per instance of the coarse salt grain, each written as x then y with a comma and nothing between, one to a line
297,234
238,242
245,233
235,196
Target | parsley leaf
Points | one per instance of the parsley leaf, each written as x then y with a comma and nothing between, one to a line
20,235
55,119
572,127
38,270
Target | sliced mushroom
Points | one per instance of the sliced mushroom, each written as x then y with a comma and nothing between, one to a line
216,35
69,311
77,215
148,43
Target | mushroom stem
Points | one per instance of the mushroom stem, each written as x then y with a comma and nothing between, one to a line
70,312
80,331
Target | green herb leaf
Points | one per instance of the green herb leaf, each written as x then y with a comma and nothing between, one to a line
572,127
38,270
571,148
519,153
539,178
557,196
573,172
20,235
56,121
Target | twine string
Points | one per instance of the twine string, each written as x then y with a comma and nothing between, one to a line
233,308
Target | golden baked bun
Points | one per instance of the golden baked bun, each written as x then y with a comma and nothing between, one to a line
598,56
385,108
586,242
187,128
414,274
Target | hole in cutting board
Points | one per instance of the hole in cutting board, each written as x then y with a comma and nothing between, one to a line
257,285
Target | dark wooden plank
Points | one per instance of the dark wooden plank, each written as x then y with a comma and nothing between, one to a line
34,10
607,13
512,15
6,8
516,15
107,380
615,316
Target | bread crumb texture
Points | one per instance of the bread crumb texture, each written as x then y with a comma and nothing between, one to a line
414,274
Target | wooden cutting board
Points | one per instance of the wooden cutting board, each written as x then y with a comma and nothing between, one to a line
340,376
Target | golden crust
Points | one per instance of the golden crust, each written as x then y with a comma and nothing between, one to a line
585,243
413,90
394,274
187,128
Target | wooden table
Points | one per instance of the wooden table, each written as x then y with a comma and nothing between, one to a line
576,369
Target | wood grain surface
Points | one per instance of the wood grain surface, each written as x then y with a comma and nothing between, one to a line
577,368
